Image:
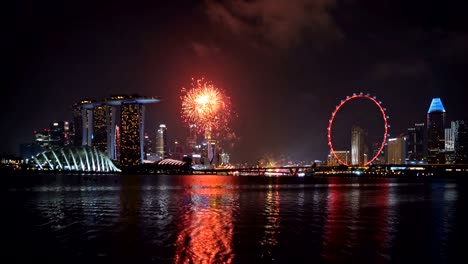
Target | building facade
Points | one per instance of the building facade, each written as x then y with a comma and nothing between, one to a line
161,142
114,126
343,155
416,143
358,146
436,132
461,142
396,150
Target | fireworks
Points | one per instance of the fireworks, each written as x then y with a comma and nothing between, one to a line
206,107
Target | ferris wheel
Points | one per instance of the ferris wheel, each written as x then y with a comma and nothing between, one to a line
385,117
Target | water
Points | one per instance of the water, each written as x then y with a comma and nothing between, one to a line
224,219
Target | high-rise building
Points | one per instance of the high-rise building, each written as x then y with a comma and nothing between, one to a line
436,132
83,123
415,143
42,138
191,144
178,151
132,130
131,149
358,146
343,155
461,142
456,142
161,142
396,150
59,134
99,136
77,125
450,134
96,124
148,149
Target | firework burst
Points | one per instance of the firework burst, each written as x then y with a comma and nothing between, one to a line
207,107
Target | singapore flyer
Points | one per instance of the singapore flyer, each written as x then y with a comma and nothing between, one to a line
356,150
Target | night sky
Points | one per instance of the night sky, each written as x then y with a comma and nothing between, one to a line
286,64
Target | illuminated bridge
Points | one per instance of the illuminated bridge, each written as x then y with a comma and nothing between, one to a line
82,159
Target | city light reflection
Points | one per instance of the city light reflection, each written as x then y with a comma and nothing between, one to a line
206,225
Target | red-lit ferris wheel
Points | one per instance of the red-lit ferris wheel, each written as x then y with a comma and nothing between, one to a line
384,116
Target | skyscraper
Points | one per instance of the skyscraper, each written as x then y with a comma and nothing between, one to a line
42,138
77,125
416,149
358,146
396,150
132,130
461,142
97,124
99,137
59,134
450,134
161,142
343,155
436,132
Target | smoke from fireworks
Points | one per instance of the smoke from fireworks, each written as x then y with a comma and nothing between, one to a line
207,107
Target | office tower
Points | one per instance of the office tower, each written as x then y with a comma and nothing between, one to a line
416,149
42,138
161,142
396,150
117,142
148,149
178,151
436,132
99,136
449,150
358,146
83,120
191,143
132,130
59,134
343,155
96,124
77,125
461,142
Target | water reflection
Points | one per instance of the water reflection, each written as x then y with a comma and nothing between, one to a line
206,222
360,221
272,215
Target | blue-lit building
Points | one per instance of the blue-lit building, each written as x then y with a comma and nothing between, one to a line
436,132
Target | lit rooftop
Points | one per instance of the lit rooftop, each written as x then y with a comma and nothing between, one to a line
436,106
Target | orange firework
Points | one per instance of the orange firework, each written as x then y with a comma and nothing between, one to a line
206,107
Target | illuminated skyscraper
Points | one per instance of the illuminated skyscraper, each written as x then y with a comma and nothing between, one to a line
97,124
42,138
77,125
343,155
456,142
99,137
161,142
416,149
83,122
132,131
461,142
59,134
396,150
436,132
358,146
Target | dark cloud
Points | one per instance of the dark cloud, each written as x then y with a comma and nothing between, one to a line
279,24
391,70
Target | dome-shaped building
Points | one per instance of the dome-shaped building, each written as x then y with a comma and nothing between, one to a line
83,159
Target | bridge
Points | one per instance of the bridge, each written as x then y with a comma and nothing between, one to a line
260,171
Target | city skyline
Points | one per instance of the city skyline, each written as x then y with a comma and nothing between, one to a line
285,83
